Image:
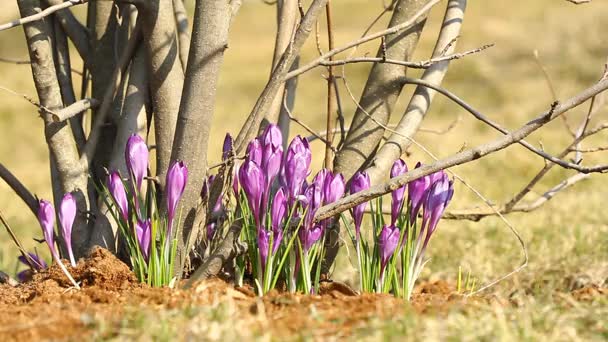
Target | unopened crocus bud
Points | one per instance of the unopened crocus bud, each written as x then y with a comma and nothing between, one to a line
67,214
136,155
272,136
271,165
254,151
46,217
436,201
143,229
117,190
227,147
177,177
251,179
278,213
297,165
387,243
308,237
333,187
417,191
399,168
359,182
235,181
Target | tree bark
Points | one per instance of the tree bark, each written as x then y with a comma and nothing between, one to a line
209,40
381,91
420,102
62,146
165,73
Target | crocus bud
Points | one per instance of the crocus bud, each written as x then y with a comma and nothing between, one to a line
227,148
437,199
235,181
271,163
254,151
46,217
399,168
252,181
417,191
359,182
308,237
143,230
387,243
263,245
279,209
272,136
333,187
177,176
117,190
297,164
67,214
136,155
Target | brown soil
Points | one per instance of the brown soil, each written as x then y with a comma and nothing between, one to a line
49,308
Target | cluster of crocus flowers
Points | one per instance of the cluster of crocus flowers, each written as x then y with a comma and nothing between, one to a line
279,208
140,221
396,258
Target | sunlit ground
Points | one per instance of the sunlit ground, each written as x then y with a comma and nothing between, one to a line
566,239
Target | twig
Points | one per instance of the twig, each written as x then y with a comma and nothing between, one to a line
75,109
306,127
465,156
414,65
365,39
331,94
30,100
22,250
14,61
579,2
46,12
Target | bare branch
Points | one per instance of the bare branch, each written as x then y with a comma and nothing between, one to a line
183,31
14,61
78,34
477,152
579,2
40,15
74,109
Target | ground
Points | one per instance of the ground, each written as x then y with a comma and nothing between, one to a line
558,296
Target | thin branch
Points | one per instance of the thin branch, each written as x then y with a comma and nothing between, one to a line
405,25
579,2
465,156
75,109
331,94
45,13
14,61
414,65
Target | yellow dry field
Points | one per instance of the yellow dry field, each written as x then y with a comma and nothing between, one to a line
567,239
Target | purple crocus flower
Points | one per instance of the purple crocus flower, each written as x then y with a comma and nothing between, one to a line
254,151
263,245
399,168
251,178
67,214
333,187
227,148
417,191
387,243
235,181
272,136
46,217
436,201
272,158
144,231
278,213
309,237
34,262
359,182
117,189
177,177
136,156
297,164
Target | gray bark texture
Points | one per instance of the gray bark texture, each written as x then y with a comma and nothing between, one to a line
209,40
381,91
165,73
62,147
420,102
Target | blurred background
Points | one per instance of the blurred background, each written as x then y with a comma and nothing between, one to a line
506,83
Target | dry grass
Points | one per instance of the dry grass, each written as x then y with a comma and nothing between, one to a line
567,239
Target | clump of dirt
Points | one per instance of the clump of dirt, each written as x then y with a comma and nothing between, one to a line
48,307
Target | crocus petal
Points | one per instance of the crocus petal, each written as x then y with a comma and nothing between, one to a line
263,245
227,147
254,151
177,177
333,189
279,210
417,192
272,136
67,214
399,168
136,155
387,243
252,181
309,237
117,189
46,217
34,261
297,166
359,182
143,230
